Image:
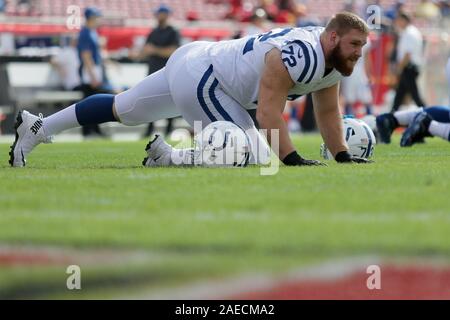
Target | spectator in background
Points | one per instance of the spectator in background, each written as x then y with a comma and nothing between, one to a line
444,5
288,11
270,8
409,61
392,12
236,11
7,44
303,19
357,87
192,16
91,65
2,6
27,7
160,44
389,18
67,65
428,10
257,23
356,6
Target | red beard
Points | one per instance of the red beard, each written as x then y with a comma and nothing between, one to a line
341,63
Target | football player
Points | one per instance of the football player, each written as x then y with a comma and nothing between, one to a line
420,123
210,81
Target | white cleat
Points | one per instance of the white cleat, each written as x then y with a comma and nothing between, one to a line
29,133
159,153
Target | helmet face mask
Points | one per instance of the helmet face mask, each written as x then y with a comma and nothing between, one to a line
359,137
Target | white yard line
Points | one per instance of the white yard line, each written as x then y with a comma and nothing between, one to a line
85,257
218,289
244,283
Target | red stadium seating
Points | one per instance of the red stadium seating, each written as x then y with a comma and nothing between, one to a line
143,9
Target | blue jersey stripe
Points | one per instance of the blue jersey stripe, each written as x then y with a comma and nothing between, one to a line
249,45
200,97
216,102
307,61
315,64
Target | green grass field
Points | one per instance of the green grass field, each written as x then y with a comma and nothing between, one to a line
170,226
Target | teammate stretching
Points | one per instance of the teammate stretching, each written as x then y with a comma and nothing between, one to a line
210,81
420,123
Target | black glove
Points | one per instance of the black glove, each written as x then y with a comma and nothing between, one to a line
294,159
345,157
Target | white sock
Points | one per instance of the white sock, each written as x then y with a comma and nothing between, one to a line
405,117
60,121
439,129
182,157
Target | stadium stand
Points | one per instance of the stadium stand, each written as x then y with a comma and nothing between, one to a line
143,9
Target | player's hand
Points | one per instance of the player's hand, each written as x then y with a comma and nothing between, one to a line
345,157
306,162
361,160
294,159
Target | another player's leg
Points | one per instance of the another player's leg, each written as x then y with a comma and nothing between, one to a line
439,129
388,122
439,113
434,121
417,130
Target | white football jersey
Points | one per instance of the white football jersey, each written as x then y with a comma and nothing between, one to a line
238,64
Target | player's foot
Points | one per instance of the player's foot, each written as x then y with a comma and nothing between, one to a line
420,140
29,133
386,124
417,130
159,153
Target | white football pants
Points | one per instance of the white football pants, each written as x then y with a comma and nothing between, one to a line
187,87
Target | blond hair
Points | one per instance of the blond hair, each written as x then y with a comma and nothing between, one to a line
344,22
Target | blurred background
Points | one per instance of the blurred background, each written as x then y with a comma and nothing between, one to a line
40,58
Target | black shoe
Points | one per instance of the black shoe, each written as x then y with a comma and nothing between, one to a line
420,140
386,124
416,130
